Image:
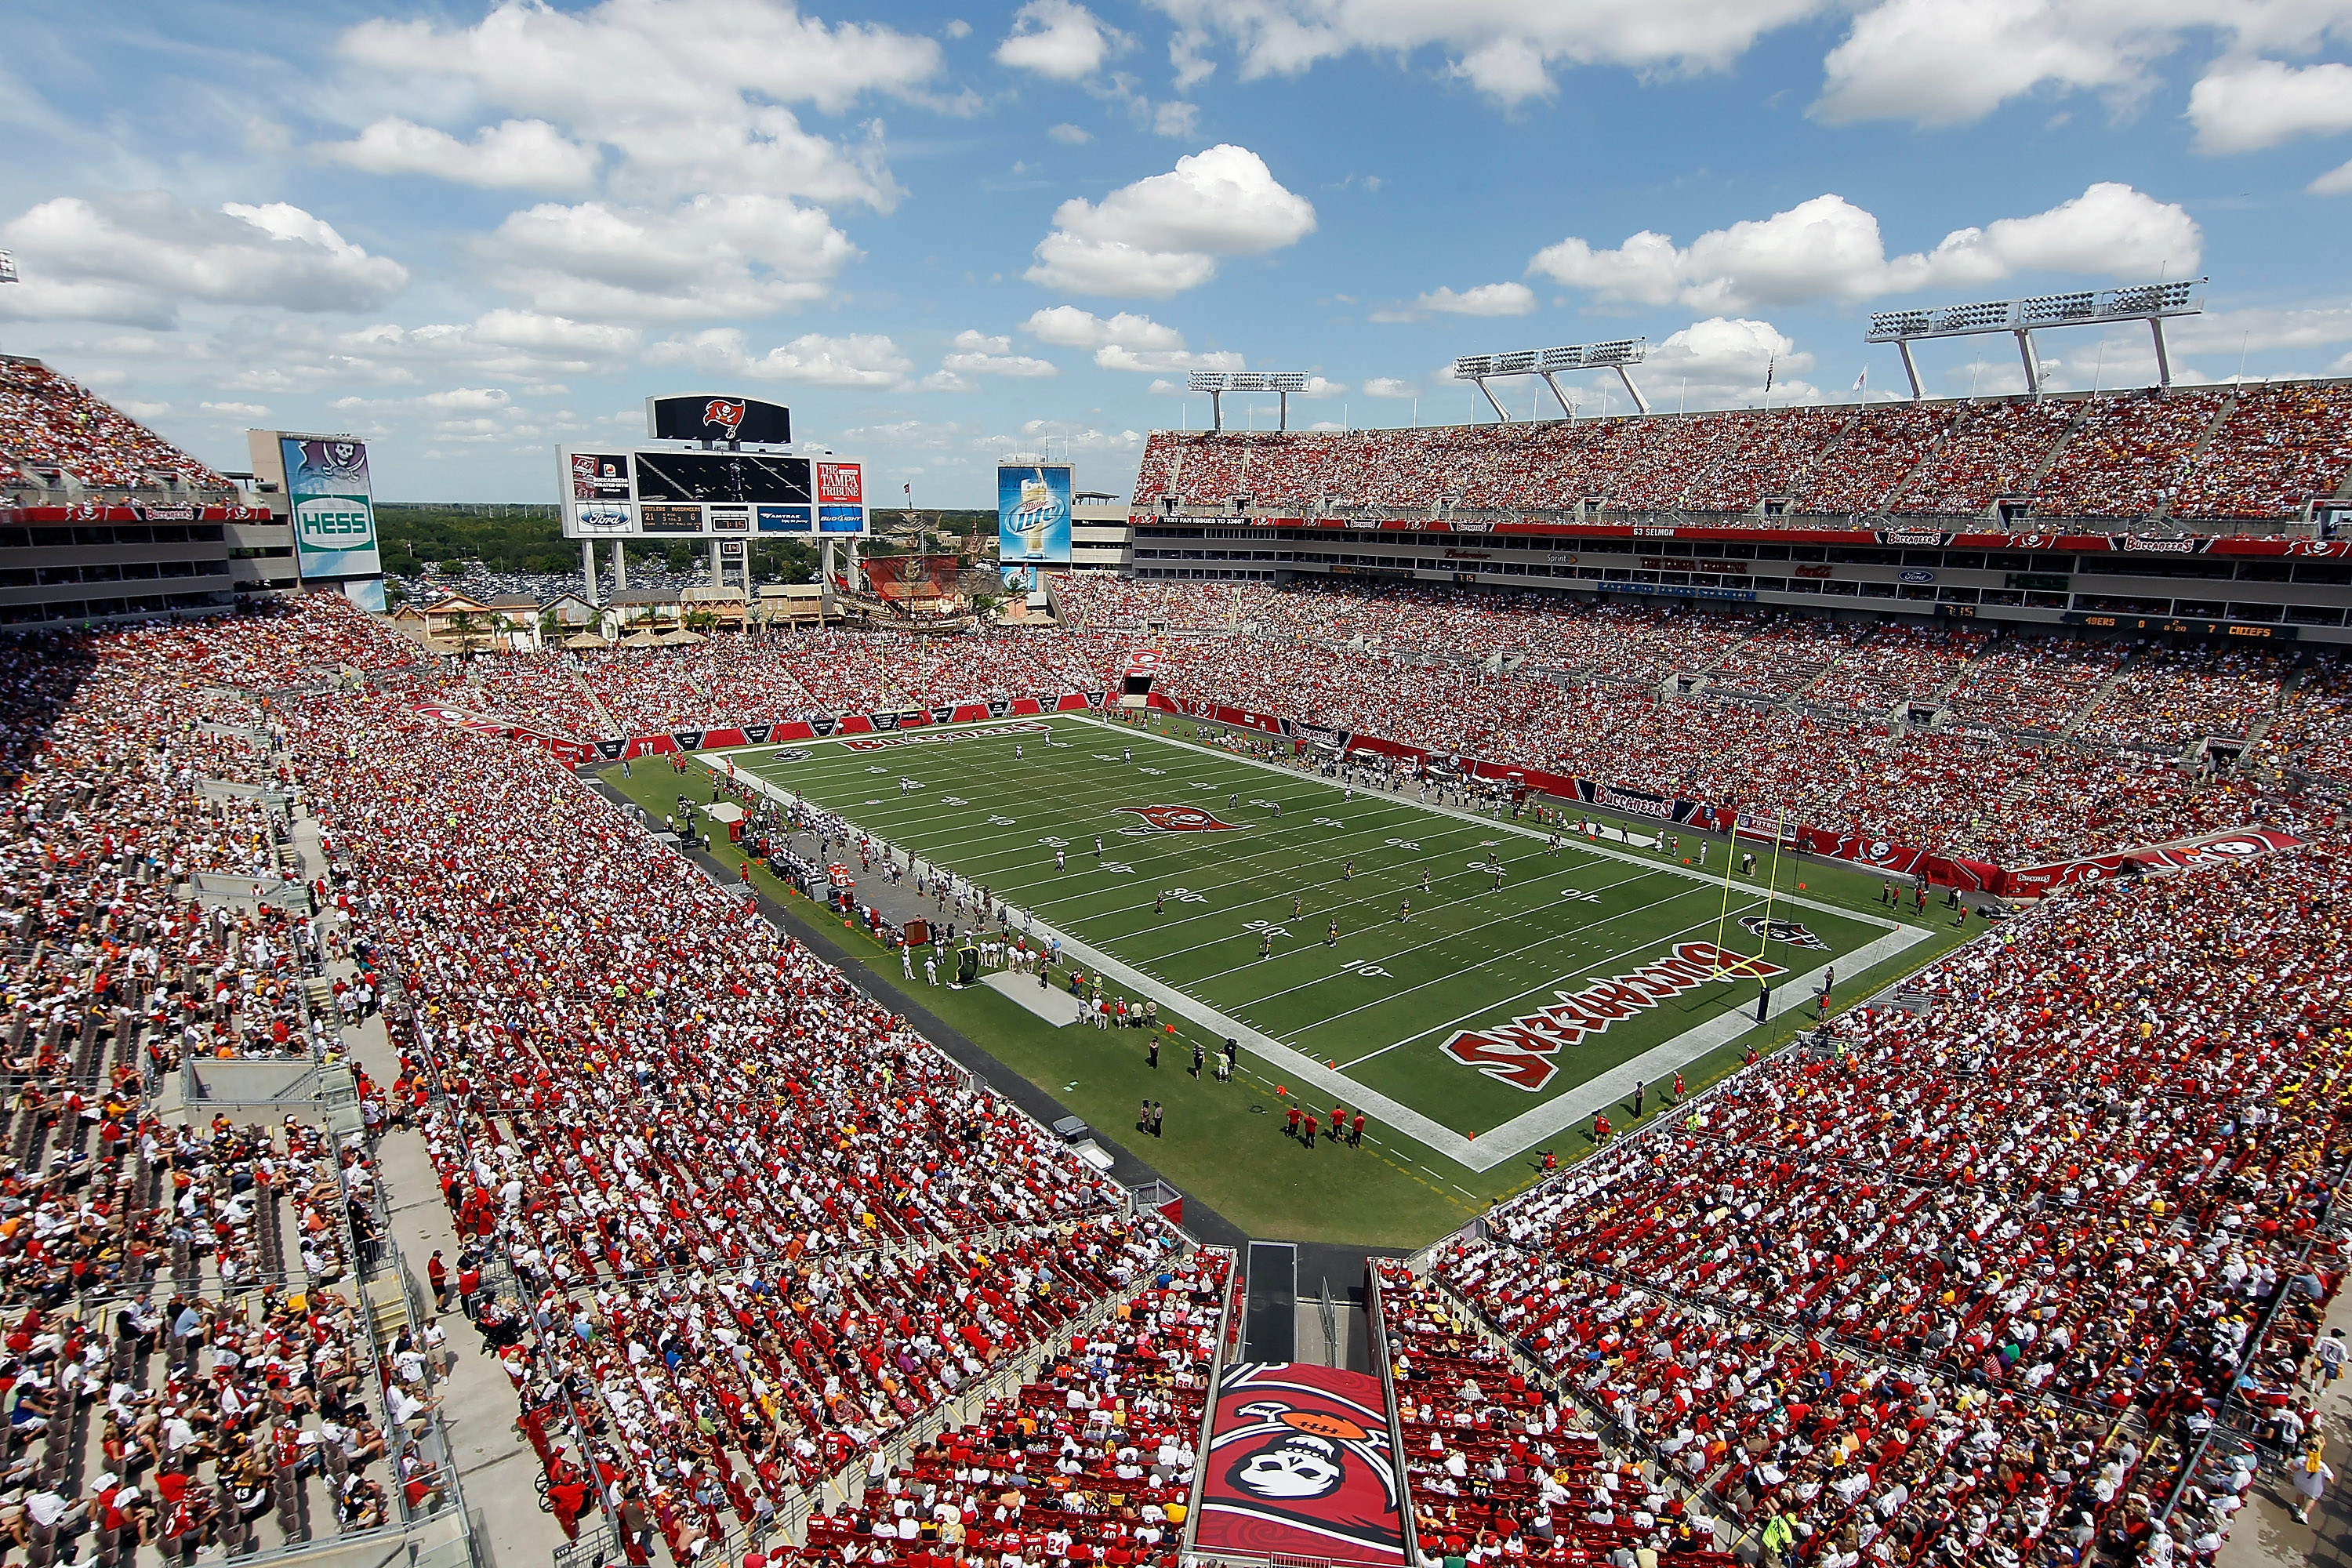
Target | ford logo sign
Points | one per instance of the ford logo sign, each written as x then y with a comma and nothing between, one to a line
1917,575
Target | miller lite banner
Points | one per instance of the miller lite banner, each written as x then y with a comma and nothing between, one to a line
721,418
1033,514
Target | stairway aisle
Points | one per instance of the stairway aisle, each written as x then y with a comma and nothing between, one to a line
496,1468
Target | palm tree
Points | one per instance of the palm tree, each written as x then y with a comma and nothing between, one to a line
467,629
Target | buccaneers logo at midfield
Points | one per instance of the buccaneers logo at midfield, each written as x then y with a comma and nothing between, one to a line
1179,818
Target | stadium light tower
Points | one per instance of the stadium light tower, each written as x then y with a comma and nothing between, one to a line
8,267
1617,356
2151,302
1217,382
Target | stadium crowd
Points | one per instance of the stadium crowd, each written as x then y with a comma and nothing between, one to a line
1954,1285
844,1234
187,1367
1964,1280
755,1264
1090,1462
2220,453
2052,745
49,424
1494,1466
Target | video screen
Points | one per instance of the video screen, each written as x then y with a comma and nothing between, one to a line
722,476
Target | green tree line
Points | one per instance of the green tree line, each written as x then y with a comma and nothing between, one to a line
521,538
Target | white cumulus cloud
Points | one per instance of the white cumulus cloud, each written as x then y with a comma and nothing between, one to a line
1125,341
1389,386
1505,48
2246,105
1157,362
691,95
1934,62
136,258
1828,248
1059,38
1165,234
528,155
978,353
1070,327
1485,299
857,360
713,256
1723,360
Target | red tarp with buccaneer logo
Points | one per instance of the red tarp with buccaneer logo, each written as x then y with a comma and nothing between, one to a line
1300,1465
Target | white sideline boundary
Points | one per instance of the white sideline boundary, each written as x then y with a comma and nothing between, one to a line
1527,1130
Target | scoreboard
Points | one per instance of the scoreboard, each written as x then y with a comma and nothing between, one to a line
628,492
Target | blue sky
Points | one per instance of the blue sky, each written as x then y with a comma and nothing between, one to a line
943,232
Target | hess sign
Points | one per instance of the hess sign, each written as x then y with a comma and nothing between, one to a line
333,522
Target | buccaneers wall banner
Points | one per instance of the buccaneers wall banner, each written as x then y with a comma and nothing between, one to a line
1300,1465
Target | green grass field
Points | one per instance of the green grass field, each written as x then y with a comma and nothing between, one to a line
1227,922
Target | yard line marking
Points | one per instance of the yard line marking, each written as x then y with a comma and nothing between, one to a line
975,867
1509,918
1546,985
1542,833
1541,1121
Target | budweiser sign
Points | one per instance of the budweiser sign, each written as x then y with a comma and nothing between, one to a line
1520,1053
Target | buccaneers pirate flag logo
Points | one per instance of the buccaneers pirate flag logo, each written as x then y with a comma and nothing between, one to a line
721,418
1790,931
1300,1465
1179,818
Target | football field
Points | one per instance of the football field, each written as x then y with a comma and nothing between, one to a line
1463,981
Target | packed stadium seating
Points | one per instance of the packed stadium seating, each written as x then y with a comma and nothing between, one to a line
2017,1220
908,1237
2170,696
891,1235
1104,1437
1494,1465
2257,453
189,1366
49,424
2054,745
2313,733
1099,602
2030,1212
